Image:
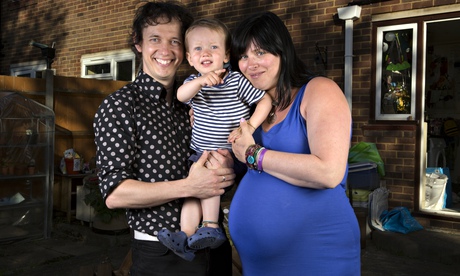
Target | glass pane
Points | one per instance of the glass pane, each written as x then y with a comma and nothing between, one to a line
124,70
103,68
396,72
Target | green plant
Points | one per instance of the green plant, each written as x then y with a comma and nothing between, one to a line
95,200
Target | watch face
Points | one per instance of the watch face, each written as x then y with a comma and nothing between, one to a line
250,159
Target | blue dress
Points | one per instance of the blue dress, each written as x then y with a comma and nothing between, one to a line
282,229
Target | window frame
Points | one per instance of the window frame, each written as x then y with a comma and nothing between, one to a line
110,57
30,67
380,30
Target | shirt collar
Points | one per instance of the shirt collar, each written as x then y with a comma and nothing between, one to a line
149,85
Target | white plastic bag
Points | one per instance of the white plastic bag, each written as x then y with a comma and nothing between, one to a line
435,189
378,203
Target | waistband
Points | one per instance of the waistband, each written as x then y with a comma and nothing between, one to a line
144,237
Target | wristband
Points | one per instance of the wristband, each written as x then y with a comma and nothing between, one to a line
251,155
260,159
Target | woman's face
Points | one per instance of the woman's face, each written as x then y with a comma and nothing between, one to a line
261,68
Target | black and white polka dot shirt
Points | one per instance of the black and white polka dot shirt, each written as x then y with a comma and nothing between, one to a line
139,136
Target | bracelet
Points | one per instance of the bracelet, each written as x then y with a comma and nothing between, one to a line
249,124
251,155
260,159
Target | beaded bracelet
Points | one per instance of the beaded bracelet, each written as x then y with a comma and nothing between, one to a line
251,155
260,159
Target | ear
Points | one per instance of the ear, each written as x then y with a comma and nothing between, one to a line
138,48
189,59
227,57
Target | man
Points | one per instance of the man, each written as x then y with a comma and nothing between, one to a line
142,134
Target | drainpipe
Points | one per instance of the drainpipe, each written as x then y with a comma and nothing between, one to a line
349,14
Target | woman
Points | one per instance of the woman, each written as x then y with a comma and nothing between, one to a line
290,214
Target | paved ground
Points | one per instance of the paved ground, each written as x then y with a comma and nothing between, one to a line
74,249
380,262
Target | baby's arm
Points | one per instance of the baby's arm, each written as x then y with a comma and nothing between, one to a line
189,89
263,108
261,112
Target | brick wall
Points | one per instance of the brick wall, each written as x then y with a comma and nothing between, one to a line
84,27
77,27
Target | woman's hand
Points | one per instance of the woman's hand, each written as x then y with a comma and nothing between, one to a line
241,143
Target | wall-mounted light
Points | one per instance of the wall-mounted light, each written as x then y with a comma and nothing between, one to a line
47,52
319,56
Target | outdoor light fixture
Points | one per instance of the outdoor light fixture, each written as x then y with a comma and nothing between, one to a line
47,52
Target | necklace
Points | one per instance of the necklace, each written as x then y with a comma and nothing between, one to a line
272,115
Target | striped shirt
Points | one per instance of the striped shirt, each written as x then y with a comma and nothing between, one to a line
218,110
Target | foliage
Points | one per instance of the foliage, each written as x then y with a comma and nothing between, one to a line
95,200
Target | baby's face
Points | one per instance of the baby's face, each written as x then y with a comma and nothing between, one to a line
206,50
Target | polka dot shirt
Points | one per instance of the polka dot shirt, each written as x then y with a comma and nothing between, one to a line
139,136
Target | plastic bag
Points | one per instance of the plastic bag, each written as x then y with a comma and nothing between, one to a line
366,152
399,220
378,203
435,189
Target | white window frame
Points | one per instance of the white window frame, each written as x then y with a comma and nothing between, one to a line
28,68
112,57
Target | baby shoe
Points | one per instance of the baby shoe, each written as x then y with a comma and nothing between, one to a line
177,243
206,237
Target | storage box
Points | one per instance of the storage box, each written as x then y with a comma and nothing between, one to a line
363,176
360,198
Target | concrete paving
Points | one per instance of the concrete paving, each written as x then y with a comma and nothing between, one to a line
426,252
74,249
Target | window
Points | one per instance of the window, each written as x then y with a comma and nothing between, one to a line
33,69
396,72
113,65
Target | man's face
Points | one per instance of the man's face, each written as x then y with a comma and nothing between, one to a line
162,51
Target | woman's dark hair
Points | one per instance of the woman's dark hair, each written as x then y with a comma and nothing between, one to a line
268,32
154,13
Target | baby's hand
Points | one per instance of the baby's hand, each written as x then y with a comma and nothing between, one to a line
235,135
212,78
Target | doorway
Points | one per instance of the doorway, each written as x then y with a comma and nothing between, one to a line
442,112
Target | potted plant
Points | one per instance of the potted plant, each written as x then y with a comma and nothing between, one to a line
7,167
31,166
104,219
4,167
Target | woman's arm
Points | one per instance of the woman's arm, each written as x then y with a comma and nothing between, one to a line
328,119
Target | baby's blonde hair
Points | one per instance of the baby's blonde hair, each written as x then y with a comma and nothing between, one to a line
212,24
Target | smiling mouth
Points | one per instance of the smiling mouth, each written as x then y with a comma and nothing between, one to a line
206,62
256,75
163,61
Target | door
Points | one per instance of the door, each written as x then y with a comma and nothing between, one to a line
440,128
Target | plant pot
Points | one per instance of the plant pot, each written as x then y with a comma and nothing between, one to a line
10,170
31,170
117,224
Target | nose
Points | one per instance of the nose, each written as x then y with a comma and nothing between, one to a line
205,53
165,47
252,63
